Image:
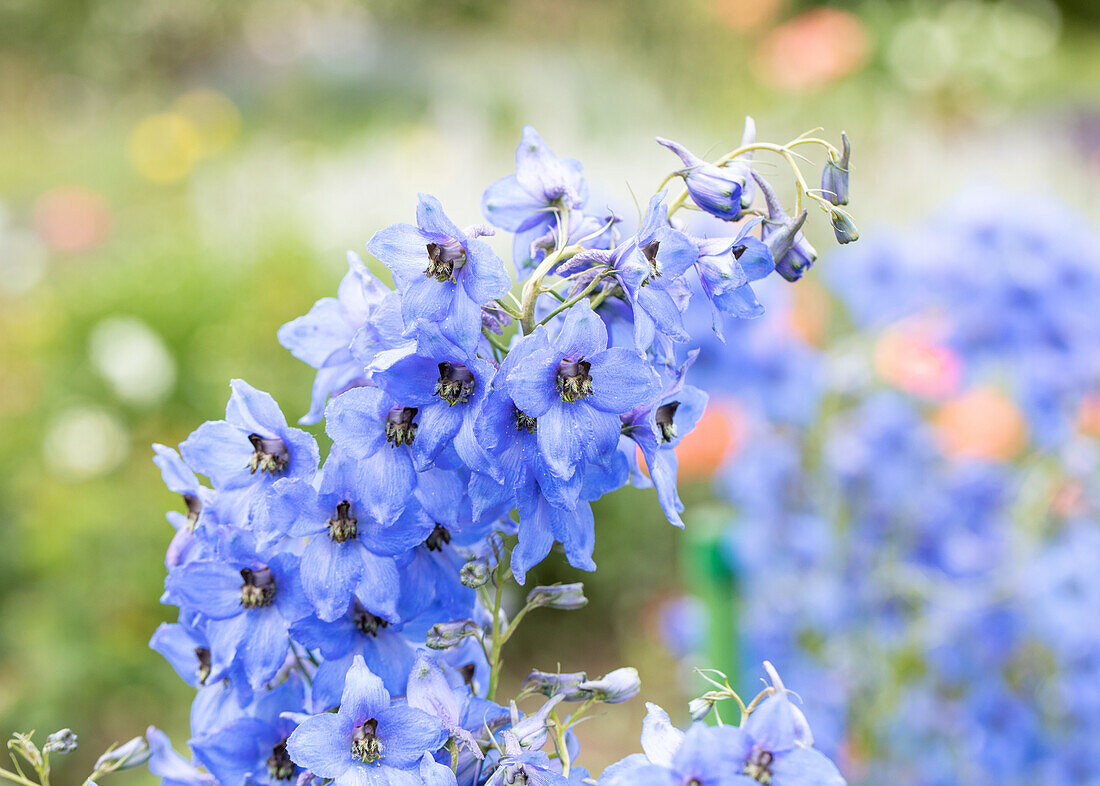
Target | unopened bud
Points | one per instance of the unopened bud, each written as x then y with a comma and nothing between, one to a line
565,597
834,177
843,227
615,687
700,708
130,754
445,635
551,684
63,741
474,574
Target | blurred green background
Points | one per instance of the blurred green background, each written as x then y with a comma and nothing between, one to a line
179,179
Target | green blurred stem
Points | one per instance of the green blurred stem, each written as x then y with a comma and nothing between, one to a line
711,579
11,776
500,576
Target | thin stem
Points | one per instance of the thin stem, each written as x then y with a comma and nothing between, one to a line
560,745
11,776
577,299
495,660
301,666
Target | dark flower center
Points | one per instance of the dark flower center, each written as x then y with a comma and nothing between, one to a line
365,744
759,766
268,455
443,258
203,654
400,429
365,622
649,251
665,414
258,589
194,507
467,671
574,382
279,765
525,422
439,538
343,526
739,250
456,383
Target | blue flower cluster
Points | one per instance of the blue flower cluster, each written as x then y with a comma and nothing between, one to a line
342,621
922,554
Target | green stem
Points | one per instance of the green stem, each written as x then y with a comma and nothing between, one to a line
11,776
577,299
495,661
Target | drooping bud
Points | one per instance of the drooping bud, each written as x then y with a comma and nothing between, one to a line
269,454
443,258
279,765
130,754
63,741
438,538
713,189
792,253
574,382
445,635
400,429
343,526
530,731
474,574
615,687
700,708
365,622
834,177
365,745
564,597
665,414
551,684
456,383
258,589
844,228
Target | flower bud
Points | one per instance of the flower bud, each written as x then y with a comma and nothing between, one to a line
444,635
126,756
714,189
63,741
834,177
843,228
700,708
564,597
615,687
551,684
474,574
530,731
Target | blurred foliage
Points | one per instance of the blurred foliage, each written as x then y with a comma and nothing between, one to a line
337,101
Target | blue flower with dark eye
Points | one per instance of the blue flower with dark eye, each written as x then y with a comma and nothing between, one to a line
650,269
359,632
441,691
377,431
186,648
364,309
657,429
716,190
444,275
524,203
521,765
348,552
253,447
252,749
249,601
446,386
369,741
727,267
576,387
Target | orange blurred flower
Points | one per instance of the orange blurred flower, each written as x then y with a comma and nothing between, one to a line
813,49
1088,417
716,437
982,423
911,360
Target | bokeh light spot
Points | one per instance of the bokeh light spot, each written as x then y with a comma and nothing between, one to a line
164,147
133,359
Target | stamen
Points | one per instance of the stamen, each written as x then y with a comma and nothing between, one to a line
279,765
343,526
365,744
443,258
258,589
438,538
665,414
456,383
268,455
365,622
400,429
574,382
525,422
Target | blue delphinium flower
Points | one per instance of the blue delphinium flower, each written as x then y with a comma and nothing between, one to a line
444,275
650,268
169,766
727,268
250,601
783,236
717,190
576,388
322,338
252,748
524,203
657,428
369,740
252,447
349,552
370,427
446,386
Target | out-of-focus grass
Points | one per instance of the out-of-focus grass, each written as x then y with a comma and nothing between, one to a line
334,143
